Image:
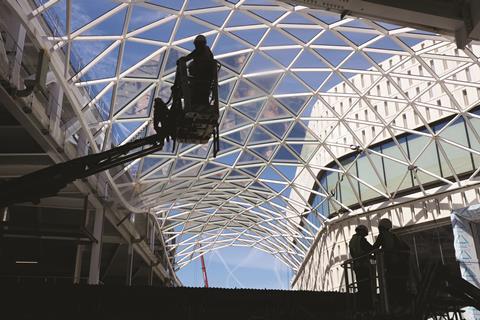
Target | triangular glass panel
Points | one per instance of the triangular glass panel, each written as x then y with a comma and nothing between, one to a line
284,56
105,68
162,172
139,109
245,91
266,82
250,109
126,92
329,38
284,154
134,52
227,44
236,62
149,163
238,136
188,28
260,63
270,174
299,132
201,4
309,60
112,26
313,79
264,152
176,5
159,33
86,51
325,17
303,34
142,16
122,130
215,18
279,129
224,90
259,135
273,110
228,159
182,164
359,38
232,119
239,18
248,158
333,56
252,36
277,38
270,15
357,61
387,43
149,69
331,82
294,104
289,84
253,170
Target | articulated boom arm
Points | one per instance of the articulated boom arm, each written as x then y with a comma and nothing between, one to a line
49,181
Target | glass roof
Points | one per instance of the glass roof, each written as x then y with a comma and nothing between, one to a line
292,79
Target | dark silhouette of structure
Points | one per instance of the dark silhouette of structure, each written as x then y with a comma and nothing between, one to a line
360,250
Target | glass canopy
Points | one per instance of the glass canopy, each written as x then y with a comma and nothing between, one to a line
302,92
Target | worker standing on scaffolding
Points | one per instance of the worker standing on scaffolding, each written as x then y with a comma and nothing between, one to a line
201,72
359,250
396,255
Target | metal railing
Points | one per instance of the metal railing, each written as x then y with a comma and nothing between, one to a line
378,283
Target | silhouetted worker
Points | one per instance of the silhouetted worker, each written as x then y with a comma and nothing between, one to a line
201,70
396,263
359,250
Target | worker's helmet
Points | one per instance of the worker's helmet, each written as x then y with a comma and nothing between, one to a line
361,228
200,41
385,224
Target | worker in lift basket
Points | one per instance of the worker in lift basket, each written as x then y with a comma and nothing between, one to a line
201,71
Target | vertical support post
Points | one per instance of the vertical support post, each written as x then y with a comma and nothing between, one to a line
128,278
55,102
78,264
382,283
96,252
152,247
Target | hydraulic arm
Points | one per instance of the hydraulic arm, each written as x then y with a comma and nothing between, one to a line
49,181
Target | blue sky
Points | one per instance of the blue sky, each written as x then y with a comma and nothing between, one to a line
238,267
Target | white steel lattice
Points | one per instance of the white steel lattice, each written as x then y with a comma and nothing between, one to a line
292,85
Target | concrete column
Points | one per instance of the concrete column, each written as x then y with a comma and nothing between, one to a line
82,145
96,252
55,103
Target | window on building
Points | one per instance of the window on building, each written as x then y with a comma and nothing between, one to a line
465,97
468,75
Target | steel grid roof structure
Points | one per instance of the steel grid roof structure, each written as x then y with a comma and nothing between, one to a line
279,62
